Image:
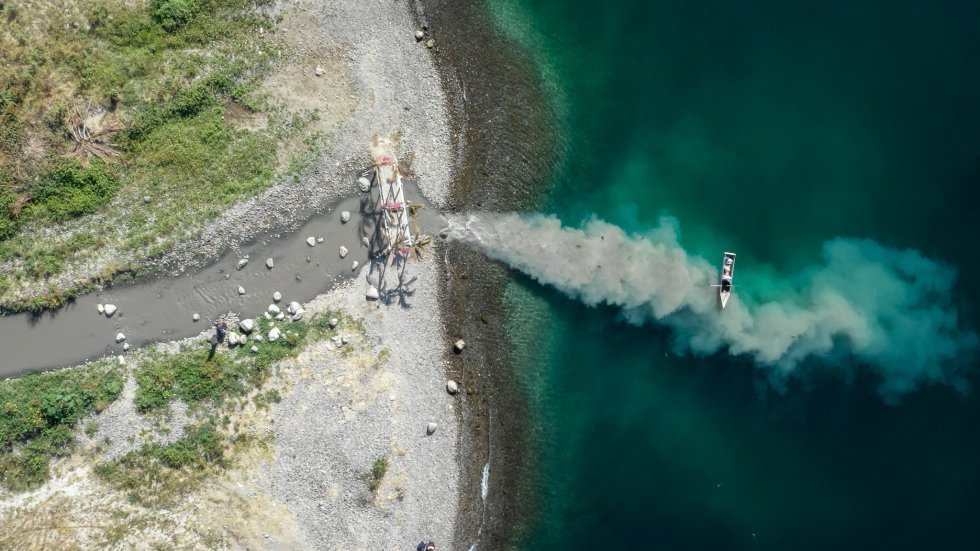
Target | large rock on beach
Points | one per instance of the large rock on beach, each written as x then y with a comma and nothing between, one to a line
293,307
311,241
247,325
273,309
364,184
274,334
372,293
110,309
298,314
280,316
345,217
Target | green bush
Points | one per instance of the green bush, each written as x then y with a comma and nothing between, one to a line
72,190
378,471
172,14
8,224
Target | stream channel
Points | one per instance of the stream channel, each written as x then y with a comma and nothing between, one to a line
161,308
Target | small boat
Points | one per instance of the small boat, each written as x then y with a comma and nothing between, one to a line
727,270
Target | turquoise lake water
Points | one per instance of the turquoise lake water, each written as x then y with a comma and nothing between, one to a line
766,128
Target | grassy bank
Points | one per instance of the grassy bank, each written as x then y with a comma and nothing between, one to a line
125,126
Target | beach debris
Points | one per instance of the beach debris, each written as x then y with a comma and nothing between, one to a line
354,266
298,315
452,387
241,290
332,322
419,35
430,43
372,293
293,307
431,427
345,217
364,184
319,239
459,345
274,334
120,337
311,241
100,308
269,263
247,325
255,349
196,317
241,264
343,251
319,71
110,309
125,346
277,296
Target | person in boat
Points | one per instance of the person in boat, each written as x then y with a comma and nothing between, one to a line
726,283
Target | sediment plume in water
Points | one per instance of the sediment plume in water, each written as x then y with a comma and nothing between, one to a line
865,304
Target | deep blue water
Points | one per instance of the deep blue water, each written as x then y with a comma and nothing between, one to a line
766,128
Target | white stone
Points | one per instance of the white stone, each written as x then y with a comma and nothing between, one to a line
122,361
343,251
354,266
311,241
333,322
345,216
337,340
247,325
274,334
100,308
430,428
298,315
280,316
277,296
459,345
110,309
232,339
319,71
273,309
319,240
120,337
452,387
242,263
365,241
293,307
344,339
419,35
196,317
241,290
255,349
257,338
364,184
126,346
269,263
372,293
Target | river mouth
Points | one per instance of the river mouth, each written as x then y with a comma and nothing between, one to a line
160,308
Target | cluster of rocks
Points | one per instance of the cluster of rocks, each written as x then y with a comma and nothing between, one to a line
106,309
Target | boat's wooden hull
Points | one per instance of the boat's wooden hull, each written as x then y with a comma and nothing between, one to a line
727,269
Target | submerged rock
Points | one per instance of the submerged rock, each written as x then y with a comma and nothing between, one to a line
241,290
110,309
311,241
277,296
319,240
269,263
354,266
343,251
365,241
120,337
372,293
126,346
242,263
345,217
100,308
196,317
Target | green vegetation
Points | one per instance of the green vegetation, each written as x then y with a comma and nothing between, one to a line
38,414
134,105
378,471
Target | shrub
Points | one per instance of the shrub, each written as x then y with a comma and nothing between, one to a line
172,14
71,190
378,471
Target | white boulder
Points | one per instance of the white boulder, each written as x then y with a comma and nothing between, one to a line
274,334
354,266
242,263
298,314
343,251
332,322
364,184
430,428
311,241
452,387
110,309
100,308
277,296
345,217
241,290
247,325
273,309
196,317
120,337
269,263
280,316
372,293
293,307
